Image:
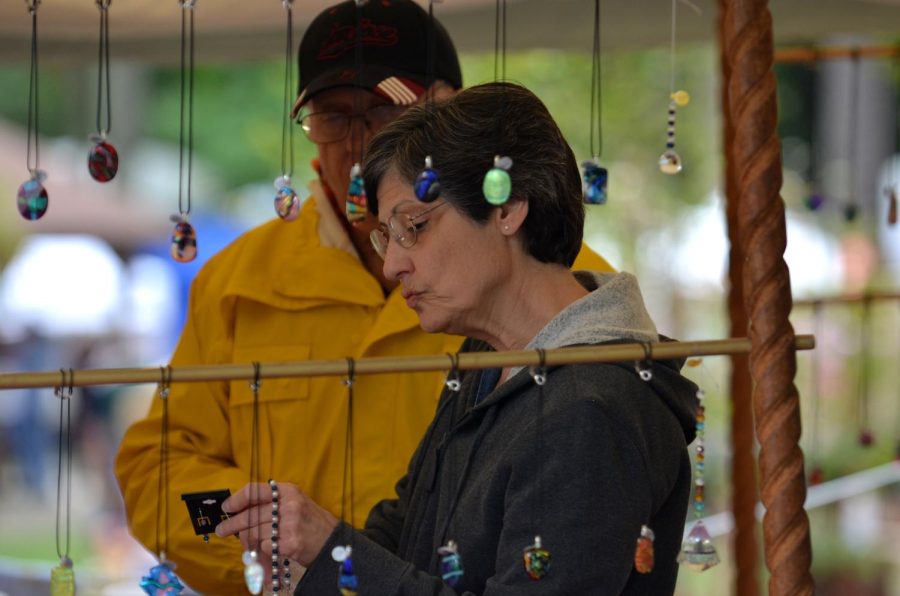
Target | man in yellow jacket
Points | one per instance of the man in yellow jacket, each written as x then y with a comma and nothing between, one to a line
306,289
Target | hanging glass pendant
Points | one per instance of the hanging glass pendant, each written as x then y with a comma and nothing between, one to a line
697,550
891,195
814,201
816,476
62,578
451,563
32,199
356,196
184,240
161,581
850,212
670,161
103,160
594,183
866,438
253,572
348,584
497,184
287,203
536,559
427,186
643,552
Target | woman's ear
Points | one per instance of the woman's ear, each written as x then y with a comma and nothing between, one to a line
511,215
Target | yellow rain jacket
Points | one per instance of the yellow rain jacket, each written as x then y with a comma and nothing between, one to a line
283,292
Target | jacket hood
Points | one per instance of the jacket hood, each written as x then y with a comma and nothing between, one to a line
614,312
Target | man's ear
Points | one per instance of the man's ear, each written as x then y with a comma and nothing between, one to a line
511,215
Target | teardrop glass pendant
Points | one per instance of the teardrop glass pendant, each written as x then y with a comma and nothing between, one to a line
697,550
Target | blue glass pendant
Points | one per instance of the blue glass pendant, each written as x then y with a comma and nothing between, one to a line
594,183
348,584
62,578
356,196
287,203
536,559
184,240
451,563
161,581
32,199
497,184
814,201
427,186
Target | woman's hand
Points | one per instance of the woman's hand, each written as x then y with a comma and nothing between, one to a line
303,526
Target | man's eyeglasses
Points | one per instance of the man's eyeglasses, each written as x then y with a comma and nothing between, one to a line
403,227
329,127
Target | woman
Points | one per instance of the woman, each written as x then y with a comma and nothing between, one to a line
584,460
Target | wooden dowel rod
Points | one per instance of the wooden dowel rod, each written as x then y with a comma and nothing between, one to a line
311,368
848,299
802,55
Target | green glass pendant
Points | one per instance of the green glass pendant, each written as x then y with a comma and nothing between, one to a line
62,578
497,183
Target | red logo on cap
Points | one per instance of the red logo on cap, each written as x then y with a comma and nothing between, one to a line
343,38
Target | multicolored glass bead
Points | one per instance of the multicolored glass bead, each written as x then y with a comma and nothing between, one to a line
161,581
356,196
103,162
253,572
348,583
697,550
287,204
497,183
184,241
594,182
32,199
451,563
62,578
643,552
536,559
427,186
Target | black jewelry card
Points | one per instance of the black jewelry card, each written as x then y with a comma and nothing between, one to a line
205,509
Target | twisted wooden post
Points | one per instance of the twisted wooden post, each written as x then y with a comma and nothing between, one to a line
743,463
756,151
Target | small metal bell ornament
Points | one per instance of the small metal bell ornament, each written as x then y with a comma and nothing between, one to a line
643,552
287,203
451,563
356,196
427,186
497,184
32,199
62,578
103,159
184,240
253,572
536,559
594,182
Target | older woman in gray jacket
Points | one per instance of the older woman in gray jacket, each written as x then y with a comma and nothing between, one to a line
523,484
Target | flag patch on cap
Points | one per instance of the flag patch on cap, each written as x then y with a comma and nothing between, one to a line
400,91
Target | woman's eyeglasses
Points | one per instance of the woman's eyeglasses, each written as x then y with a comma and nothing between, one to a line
403,227
329,127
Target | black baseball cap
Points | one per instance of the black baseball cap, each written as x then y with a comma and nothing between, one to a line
393,62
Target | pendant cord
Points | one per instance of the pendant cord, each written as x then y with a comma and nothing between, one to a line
187,79
356,140
65,428
538,442
348,444
814,129
500,40
816,385
287,131
254,452
596,99
103,71
672,52
33,125
853,131
162,503
864,336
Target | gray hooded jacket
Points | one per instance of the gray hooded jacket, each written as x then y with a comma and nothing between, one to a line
583,461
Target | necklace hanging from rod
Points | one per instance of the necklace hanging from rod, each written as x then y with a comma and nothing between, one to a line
427,186
595,177
62,577
103,159
32,198
497,183
184,238
355,206
670,161
287,203
162,579
851,208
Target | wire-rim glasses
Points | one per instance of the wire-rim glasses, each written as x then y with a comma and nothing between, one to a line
403,227
330,127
